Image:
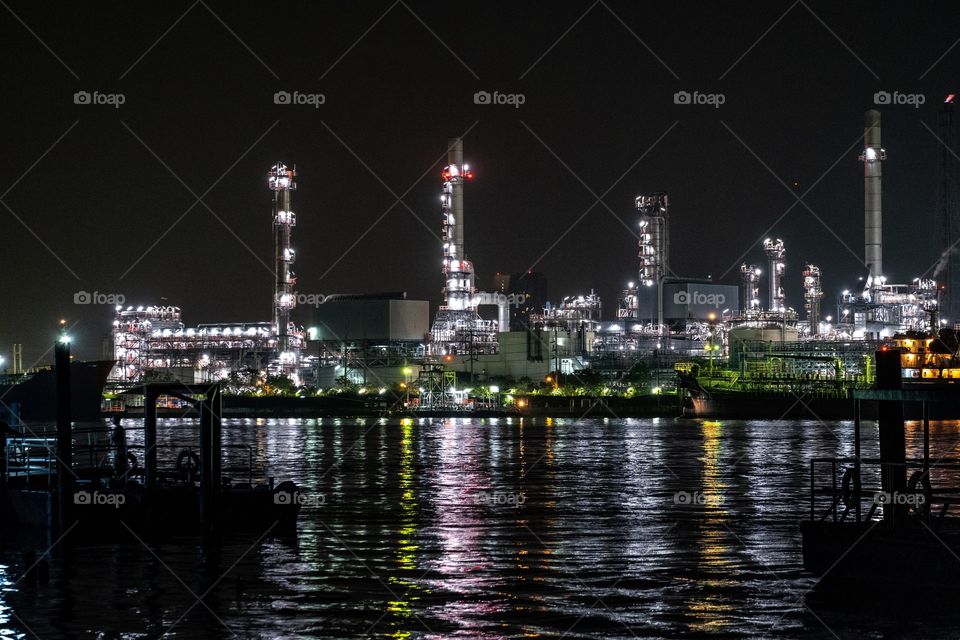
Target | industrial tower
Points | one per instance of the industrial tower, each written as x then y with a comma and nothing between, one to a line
457,328
750,287
280,180
775,252
873,154
812,294
654,210
457,270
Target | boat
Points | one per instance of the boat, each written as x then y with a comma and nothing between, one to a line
32,395
927,361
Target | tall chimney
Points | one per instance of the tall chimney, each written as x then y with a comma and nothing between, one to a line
455,159
871,157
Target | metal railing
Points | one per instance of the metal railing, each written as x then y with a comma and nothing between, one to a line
35,456
854,489
30,456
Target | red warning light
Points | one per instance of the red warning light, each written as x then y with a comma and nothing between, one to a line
950,98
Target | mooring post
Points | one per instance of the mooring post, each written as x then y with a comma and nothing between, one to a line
4,429
856,454
150,396
64,448
210,463
216,439
893,453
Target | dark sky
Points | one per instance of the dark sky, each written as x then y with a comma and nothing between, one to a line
199,89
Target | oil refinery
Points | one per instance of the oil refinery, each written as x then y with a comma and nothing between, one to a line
662,320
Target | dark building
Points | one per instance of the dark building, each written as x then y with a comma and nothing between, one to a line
947,272
687,300
532,286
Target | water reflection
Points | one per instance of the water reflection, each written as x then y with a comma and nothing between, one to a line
482,529
711,612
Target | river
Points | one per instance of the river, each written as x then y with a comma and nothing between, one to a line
497,528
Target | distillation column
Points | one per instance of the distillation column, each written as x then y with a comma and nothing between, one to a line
457,270
873,154
654,245
750,287
812,294
280,181
775,252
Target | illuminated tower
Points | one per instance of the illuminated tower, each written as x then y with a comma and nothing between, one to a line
457,328
775,252
750,287
873,154
812,293
457,270
280,181
654,244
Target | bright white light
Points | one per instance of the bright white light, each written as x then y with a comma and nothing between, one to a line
493,388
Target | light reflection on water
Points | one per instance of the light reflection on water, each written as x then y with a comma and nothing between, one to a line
483,529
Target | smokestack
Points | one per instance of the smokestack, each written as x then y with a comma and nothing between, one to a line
872,156
455,159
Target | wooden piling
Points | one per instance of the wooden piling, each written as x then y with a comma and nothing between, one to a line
893,453
64,448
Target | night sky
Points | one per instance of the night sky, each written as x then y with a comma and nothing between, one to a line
94,208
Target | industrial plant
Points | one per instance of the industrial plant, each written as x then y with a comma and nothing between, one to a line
663,319
152,343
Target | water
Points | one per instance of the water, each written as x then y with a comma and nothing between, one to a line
486,529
